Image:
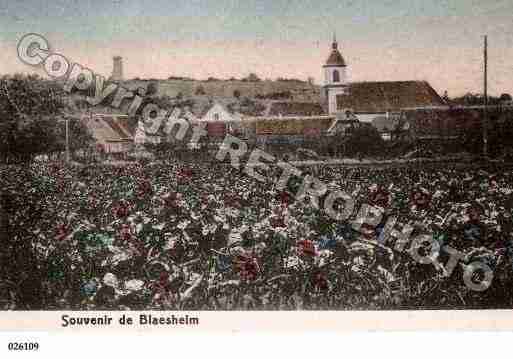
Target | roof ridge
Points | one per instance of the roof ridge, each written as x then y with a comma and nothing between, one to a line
386,82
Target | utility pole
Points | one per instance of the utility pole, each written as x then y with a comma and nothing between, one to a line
66,120
485,111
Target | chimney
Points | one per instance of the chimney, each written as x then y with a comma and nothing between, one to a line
117,69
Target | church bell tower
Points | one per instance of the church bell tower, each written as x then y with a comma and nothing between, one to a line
335,77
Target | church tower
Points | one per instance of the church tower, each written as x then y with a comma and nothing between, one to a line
335,76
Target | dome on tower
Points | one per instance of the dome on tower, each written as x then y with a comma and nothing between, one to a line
335,58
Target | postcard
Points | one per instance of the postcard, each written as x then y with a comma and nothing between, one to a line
258,165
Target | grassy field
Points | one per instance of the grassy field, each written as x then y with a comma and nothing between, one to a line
301,91
177,235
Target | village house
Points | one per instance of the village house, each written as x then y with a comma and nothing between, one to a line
113,133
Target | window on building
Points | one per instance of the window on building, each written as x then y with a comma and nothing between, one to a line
336,76
216,116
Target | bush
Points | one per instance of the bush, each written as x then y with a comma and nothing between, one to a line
364,140
152,89
200,90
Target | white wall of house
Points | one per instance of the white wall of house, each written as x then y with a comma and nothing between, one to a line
117,147
368,117
387,136
218,113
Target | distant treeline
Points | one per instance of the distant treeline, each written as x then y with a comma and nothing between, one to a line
275,96
250,78
471,99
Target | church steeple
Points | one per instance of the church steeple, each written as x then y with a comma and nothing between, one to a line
335,77
335,58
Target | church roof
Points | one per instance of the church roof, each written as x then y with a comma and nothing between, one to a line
335,58
381,97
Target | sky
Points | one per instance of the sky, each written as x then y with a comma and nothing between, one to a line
439,41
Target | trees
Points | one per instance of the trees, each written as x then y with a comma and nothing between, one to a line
236,94
200,91
29,108
284,79
80,136
32,110
475,99
164,102
364,139
251,107
152,89
287,95
505,98
252,77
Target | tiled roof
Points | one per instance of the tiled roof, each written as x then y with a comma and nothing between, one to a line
381,97
120,126
111,127
289,108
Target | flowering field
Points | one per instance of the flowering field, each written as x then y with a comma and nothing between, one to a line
173,235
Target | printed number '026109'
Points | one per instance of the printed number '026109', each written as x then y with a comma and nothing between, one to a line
15,346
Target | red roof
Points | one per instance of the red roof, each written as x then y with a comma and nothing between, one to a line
382,97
